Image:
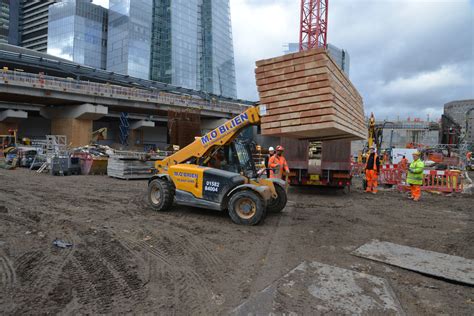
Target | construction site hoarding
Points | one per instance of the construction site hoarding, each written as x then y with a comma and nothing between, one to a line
307,96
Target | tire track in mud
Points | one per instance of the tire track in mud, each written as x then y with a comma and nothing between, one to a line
185,270
7,273
104,276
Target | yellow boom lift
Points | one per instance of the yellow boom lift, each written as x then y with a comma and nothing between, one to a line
217,172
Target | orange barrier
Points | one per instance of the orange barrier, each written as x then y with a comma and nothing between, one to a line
447,181
357,168
391,174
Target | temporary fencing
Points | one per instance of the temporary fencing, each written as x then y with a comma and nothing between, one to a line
391,174
446,181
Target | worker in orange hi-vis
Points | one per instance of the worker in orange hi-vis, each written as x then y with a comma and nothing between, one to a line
403,165
277,164
372,169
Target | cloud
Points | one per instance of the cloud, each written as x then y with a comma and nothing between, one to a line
407,56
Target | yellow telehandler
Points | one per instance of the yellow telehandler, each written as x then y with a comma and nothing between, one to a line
217,172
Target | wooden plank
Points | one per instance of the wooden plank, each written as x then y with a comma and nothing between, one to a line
293,102
294,82
291,62
293,75
290,69
298,108
298,114
296,95
296,88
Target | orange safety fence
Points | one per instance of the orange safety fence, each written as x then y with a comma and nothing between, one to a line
357,168
447,181
391,174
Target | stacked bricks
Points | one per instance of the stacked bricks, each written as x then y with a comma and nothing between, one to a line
308,97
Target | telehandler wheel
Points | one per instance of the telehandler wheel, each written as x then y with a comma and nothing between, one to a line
278,204
246,208
160,194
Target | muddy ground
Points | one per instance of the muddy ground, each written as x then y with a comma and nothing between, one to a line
127,258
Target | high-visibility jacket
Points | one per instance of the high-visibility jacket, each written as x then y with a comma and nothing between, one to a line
278,162
415,172
403,164
373,163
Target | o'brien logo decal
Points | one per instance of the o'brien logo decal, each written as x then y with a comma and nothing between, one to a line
185,174
224,129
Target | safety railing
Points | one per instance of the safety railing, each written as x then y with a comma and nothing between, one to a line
116,92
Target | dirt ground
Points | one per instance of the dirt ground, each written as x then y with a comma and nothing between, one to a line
126,258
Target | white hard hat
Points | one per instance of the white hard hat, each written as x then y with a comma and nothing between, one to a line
271,149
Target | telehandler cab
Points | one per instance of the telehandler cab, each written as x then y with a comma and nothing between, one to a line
217,172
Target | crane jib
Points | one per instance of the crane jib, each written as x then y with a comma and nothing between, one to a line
224,129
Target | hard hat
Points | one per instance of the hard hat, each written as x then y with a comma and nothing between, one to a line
416,153
280,148
271,149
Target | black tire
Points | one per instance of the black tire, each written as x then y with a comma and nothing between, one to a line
278,204
160,194
246,208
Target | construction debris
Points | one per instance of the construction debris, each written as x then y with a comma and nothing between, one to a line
61,244
308,96
427,262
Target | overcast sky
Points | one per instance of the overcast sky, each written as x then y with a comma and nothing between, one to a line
408,57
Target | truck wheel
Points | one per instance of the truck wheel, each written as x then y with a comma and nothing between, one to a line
278,204
160,194
246,208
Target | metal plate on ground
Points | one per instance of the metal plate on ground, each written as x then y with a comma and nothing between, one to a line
428,262
316,288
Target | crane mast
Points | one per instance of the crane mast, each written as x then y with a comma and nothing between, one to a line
313,24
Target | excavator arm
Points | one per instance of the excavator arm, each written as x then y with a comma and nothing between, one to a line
220,136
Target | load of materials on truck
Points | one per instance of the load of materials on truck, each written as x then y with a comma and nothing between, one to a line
307,96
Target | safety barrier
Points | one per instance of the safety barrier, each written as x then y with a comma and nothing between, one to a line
391,175
447,181
357,168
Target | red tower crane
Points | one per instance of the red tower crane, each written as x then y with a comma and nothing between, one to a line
313,24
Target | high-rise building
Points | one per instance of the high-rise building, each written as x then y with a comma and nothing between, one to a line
78,32
4,20
129,37
340,56
33,24
192,45
218,70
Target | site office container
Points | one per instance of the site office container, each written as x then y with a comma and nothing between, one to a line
325,163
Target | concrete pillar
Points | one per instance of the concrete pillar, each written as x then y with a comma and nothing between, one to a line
74,121
136,129
9,119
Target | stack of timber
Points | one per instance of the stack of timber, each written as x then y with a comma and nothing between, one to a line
307,96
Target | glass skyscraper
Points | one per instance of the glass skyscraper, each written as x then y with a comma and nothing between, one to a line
78,32
4,20
192,45
129,37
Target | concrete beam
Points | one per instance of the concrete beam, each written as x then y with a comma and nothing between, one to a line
153,118
12,116
84,112
141,124
21,106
